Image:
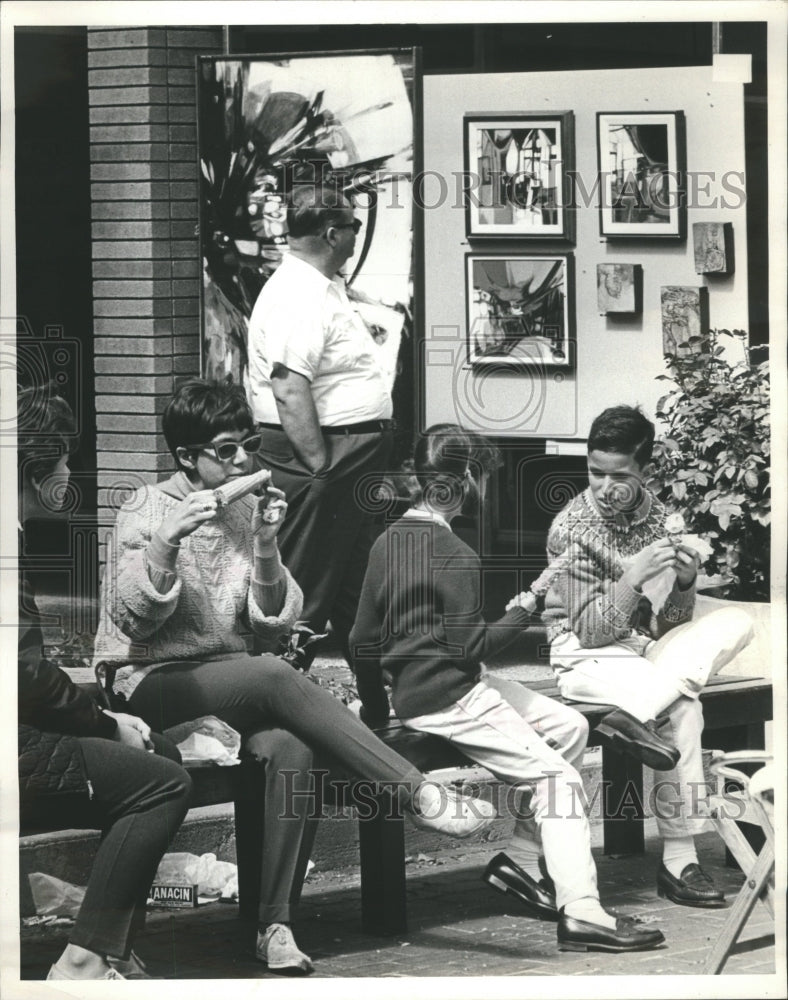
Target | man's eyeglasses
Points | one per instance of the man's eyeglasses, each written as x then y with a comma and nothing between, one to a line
355,225
227,450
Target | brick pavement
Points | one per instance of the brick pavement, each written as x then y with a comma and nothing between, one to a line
457,927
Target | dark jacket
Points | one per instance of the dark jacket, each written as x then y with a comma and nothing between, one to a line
53,712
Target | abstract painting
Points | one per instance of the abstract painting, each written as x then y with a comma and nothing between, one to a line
713,246
619,288
518,172
267,123
520,310
685,319
641,172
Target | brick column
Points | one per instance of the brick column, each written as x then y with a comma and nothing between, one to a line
146,268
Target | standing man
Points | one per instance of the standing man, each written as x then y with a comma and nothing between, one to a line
322,400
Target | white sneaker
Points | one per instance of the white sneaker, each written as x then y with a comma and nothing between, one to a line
447,811
277,948
130,968
57,973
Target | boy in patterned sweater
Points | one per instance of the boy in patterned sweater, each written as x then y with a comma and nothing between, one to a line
619,621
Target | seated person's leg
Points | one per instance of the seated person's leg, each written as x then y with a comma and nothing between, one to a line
680,805
139,801
693,653
290,824
566,731
492,733
564,728
617,675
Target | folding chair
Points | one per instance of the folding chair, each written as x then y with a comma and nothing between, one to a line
750,801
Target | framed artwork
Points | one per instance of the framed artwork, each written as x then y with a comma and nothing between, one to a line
712,244
641,158
619,288
268,123
520,310
518,175
685,319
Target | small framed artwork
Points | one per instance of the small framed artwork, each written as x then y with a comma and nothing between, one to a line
619,288
520,310
641,157
518,175
685,319
713,246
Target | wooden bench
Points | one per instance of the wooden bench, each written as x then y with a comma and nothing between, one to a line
735,711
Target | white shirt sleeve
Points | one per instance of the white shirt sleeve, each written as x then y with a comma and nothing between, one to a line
295,333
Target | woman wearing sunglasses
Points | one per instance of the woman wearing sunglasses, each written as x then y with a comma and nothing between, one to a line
188,577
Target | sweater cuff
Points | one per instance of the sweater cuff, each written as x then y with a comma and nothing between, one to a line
516,617
268,568
162,554
269,597
160,558
624,600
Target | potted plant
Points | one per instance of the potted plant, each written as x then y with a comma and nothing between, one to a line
712,461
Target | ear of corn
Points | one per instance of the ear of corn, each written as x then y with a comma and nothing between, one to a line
234,489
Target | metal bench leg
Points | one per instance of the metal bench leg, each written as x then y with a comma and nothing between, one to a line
382,851
622,778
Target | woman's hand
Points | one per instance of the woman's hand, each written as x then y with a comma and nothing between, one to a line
188,515
268,516
132,731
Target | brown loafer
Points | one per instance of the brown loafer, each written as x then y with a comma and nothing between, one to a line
537,898
623,732
628,935
693,888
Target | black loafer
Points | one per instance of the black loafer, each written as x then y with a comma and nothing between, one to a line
629,935
693,888
538,898
623,732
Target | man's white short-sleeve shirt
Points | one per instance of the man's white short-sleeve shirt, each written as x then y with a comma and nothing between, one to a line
305,321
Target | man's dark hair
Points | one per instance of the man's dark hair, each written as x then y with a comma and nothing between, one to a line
625,430
200,410
46,430
312,208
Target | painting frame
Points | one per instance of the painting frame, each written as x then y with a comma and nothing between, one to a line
518,175
641,163
530,331
366,137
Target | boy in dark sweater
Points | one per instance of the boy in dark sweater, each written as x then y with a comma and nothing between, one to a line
419,620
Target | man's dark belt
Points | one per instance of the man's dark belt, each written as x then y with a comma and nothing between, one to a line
365,427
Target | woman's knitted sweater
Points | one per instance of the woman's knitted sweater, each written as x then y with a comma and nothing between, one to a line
589,597
208,610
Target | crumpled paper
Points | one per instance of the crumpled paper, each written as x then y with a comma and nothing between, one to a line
205,741
213,878
54,897
659,587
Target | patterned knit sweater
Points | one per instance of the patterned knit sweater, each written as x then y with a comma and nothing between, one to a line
589,597
208,610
